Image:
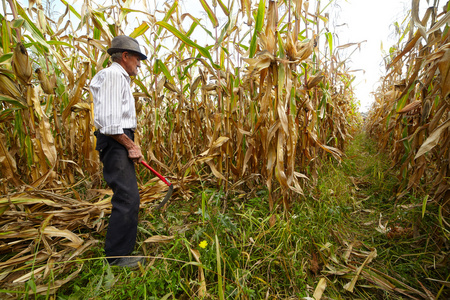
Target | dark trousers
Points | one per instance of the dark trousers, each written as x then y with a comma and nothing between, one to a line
120,175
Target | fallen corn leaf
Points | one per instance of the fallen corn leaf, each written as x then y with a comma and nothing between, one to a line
159,239
351,285
320,288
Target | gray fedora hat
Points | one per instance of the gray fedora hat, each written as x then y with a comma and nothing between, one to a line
125,43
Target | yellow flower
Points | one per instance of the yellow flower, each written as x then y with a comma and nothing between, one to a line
203,244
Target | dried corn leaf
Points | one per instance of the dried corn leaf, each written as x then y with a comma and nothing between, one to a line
25,201
27,276
444,69
76,93
47,141
215,171
201,274
9,167
407,49
433,139
320,288
159,239
261,61
44,289
351,285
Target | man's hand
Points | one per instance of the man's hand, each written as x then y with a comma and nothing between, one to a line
134,151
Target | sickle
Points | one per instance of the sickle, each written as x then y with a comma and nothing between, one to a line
170,185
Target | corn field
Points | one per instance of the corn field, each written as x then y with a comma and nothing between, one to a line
262,106
411,115
268,119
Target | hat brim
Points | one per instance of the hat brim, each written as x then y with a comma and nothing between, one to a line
111,51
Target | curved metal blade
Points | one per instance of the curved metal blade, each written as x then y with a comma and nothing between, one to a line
166,198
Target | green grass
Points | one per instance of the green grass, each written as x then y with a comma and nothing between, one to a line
247,258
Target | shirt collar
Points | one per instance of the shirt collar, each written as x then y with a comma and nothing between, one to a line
121,69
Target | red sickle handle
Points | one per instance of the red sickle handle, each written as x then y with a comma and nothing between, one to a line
156,173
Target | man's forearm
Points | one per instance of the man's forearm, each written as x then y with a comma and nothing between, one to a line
134,151
124,140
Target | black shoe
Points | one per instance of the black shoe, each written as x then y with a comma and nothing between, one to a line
129,261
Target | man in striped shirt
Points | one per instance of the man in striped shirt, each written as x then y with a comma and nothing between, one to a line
115,121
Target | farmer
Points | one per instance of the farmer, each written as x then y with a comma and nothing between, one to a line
115,121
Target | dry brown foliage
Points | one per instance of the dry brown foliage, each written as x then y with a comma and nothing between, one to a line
411,115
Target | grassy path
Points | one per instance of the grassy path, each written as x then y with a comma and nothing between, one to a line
411,254
345,239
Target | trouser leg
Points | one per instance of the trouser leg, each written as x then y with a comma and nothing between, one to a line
119,173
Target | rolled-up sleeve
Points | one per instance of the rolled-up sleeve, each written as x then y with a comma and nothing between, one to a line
106,88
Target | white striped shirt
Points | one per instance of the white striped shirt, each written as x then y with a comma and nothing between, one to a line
114,108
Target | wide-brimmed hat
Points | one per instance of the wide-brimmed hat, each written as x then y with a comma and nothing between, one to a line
125,43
